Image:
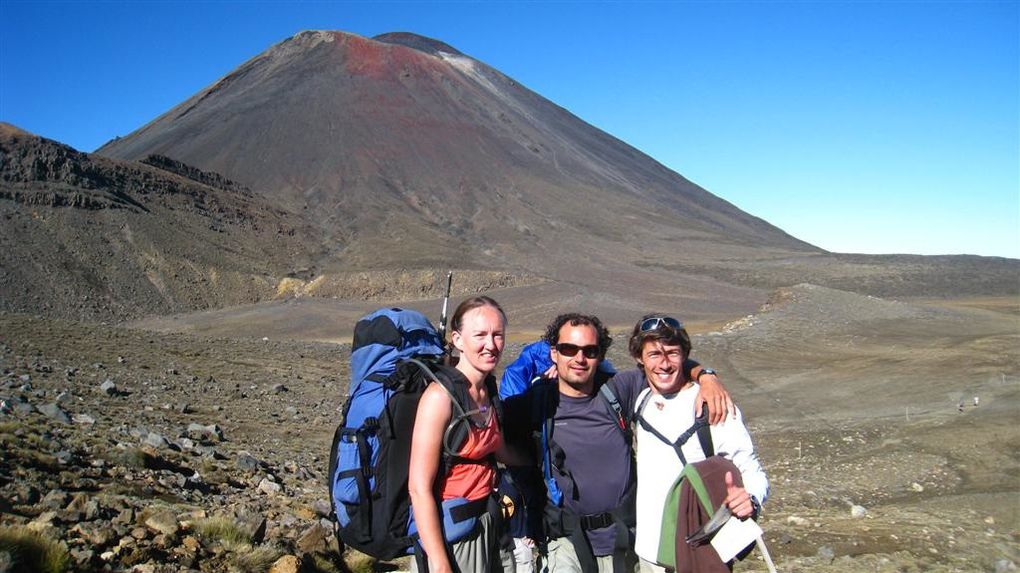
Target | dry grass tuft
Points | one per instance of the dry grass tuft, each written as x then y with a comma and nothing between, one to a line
359,562
226,531
255,559
32,551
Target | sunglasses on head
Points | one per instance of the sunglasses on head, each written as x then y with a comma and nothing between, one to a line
567,349
657,322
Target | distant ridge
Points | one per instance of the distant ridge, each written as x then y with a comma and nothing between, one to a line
9,130
88,237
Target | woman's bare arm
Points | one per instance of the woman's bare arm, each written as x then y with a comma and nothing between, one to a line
434,412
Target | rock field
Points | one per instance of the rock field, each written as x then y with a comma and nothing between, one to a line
154,452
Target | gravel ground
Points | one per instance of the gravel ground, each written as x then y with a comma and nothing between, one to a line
128,445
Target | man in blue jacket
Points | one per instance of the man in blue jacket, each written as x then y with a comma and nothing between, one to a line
533,362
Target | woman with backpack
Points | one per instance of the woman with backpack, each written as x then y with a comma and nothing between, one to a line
443,487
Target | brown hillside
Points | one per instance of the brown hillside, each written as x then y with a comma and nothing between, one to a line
95,238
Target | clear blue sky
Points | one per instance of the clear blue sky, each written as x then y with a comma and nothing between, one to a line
871,127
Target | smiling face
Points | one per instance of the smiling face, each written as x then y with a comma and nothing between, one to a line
480,341
576,373
663,366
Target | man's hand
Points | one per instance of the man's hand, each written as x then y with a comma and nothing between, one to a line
737,499
719,402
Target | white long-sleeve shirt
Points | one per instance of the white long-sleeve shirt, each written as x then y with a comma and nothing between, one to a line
658,465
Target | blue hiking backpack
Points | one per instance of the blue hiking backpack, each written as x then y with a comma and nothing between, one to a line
396,353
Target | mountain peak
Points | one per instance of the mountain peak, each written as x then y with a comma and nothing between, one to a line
406,152
304,40
421,43
308,39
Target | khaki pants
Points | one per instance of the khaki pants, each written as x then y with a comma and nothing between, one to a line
563,559
476,553
520,560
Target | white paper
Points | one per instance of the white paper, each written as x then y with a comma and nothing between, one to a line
734,537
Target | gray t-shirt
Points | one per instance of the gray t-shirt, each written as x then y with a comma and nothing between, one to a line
596,452
596,455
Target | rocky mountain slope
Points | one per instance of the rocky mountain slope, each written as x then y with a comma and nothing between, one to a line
341,167
89,237
410,153
96,238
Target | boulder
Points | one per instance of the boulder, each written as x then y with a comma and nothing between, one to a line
54,412
270,487
83,557
286,564
248,462
82,508
56,499
164,522
83,419
109,387
826,554
212,432
252,521
315,539
156,440
322,507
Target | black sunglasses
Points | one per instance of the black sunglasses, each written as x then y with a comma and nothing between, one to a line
567,349
657,322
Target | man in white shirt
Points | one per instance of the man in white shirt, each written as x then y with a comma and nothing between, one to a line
664,413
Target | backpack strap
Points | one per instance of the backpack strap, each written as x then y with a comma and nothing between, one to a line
622,420
544,392
558,519
700,427
705,434
497,402
552,454
459,399
690,472
333,461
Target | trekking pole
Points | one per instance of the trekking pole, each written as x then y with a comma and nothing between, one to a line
446,306
760,541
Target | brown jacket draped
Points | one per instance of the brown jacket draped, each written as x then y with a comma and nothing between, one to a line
691,516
